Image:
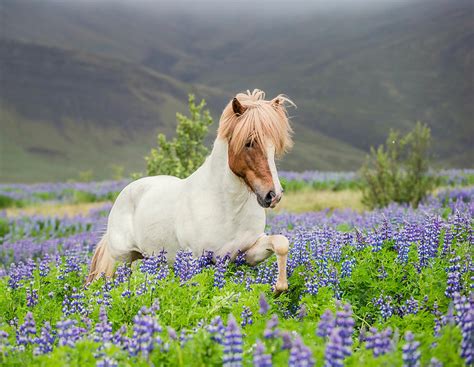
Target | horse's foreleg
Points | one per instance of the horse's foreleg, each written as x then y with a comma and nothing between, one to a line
263,248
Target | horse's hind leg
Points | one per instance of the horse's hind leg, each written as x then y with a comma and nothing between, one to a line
263,248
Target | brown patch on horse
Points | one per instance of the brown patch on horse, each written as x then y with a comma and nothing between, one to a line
251,164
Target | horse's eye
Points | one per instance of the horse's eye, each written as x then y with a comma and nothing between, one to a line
249,144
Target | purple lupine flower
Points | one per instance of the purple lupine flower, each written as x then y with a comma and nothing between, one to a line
185,266
411,354
232,344
380,343
385,305
144,337
26,334
45,341
74,303
435,363
122,274
260,359
68,332
240,259
345,324
302,312
221,267
271,328
107,362
312,284
382,273
264,306
412,306
300,354
31,297
120,336
346,268
286,338
172,333
326,324
335,351
454,278
246,316
217,329
206,259
44,266
103,329
4,343
466,323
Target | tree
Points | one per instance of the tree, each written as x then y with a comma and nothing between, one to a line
398,171
186,152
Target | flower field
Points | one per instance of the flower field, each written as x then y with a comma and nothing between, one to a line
390,287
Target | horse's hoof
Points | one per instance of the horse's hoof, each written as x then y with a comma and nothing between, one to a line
281,286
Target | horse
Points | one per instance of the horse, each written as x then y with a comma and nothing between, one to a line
218,208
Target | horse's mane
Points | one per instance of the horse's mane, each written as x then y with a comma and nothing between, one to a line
261,120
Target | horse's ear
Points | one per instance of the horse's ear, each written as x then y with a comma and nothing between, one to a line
237,107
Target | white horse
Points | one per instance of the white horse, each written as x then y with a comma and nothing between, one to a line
220,207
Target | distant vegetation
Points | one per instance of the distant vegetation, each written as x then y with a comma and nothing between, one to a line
182,155
398,171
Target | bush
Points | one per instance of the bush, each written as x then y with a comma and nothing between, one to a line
398,171
186,152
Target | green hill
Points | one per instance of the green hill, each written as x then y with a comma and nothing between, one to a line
85,70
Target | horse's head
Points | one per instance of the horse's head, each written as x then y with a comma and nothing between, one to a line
257,131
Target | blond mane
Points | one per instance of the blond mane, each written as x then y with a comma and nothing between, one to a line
262,120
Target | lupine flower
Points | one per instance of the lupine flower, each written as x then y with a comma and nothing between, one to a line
302,312
260,359
221,267
232,344
326,324
300,354
31,297
144,337
412,306
411,354
68,332
246,317
335,351
346,268
264,306
435,363
345,324
271,330
185,266
286,338
454,278
27,331
385,305
217,330
380,343
103,329
107,362
45,341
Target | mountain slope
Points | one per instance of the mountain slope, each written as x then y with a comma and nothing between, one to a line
353,73
64,111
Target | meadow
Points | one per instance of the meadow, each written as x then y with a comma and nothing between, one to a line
387,287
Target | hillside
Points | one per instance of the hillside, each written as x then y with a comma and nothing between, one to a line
64,112
353,74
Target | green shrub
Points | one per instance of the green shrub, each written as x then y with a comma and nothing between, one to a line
186,152
398,171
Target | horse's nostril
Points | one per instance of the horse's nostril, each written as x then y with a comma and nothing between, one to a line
269,197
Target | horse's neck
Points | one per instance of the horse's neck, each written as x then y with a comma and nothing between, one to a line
218,175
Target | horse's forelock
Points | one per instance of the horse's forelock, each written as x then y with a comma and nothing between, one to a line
262,120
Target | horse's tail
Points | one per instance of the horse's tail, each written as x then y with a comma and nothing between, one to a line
102,262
